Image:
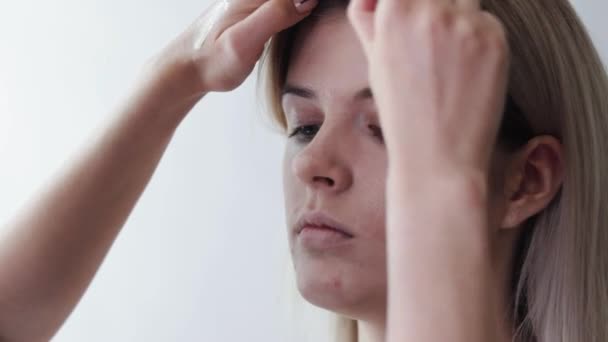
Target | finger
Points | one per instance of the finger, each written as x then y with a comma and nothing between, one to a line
361,16
270,18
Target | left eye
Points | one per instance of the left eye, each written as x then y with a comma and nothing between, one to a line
308,132
305,133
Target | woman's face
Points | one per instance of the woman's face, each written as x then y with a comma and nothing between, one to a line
335,164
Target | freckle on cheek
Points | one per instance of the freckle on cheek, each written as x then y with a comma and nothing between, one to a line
336,283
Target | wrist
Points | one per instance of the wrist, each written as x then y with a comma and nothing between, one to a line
178,75
451,210
438,183
162,96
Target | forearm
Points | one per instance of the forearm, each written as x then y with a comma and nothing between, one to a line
441,282
54,247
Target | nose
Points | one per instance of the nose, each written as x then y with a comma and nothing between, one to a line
323,164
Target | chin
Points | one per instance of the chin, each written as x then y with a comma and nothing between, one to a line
325,290
336,285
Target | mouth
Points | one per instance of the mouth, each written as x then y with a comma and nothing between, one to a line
318,220
317,230
323,229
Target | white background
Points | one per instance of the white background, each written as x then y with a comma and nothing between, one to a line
204,255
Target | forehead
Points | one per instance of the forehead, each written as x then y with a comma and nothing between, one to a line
327,57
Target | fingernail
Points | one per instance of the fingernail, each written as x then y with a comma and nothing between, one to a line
303,6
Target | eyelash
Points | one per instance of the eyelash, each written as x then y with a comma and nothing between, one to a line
298,132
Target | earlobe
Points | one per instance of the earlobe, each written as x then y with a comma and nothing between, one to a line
533,180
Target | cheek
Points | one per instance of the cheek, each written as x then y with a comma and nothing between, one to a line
371,193
373,168
373,183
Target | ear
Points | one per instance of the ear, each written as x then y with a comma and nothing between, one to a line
533,177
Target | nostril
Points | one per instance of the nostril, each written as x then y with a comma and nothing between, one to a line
329,181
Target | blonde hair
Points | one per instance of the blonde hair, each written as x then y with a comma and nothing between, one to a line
559,87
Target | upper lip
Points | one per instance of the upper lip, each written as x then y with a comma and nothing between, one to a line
320,219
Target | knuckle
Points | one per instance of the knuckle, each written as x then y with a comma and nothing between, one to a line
498,51
496,33
466,29
499,41
476,36
435,19
470,35
497,44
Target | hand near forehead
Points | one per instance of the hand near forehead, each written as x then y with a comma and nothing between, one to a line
438,69
220,48
64,235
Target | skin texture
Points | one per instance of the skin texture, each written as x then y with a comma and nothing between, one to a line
56,244
347,150
440,70
440,138
54,247
339,164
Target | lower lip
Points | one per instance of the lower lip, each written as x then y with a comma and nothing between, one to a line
322,238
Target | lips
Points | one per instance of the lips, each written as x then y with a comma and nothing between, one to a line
320,220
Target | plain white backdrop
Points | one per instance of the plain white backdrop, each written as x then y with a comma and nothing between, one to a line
203,256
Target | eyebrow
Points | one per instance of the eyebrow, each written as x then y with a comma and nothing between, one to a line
307,93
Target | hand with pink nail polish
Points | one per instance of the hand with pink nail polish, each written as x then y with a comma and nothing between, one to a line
219,50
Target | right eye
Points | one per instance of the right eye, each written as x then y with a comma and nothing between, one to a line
304,133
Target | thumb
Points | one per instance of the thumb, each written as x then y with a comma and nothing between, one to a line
361,16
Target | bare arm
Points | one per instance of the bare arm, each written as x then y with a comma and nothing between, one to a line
439,73
54,247
445,283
